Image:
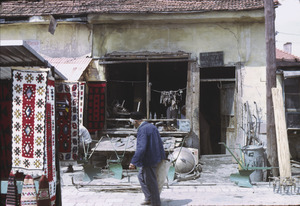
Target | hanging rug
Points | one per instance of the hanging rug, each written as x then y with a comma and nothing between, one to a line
28,195
50,168
12,191
96,106
67,119
43,197
28,121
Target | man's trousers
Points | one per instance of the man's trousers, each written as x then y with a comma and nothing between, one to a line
148,182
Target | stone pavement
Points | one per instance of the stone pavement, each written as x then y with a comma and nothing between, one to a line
226,194
212,188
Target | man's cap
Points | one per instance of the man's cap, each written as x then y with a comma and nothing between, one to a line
137,115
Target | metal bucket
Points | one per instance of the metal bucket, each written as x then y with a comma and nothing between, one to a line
254,157
185,160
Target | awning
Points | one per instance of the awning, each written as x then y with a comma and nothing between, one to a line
291,74
71,68
15,53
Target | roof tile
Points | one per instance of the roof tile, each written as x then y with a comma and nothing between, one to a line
14,8
284,56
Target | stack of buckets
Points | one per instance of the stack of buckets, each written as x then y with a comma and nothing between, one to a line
255,157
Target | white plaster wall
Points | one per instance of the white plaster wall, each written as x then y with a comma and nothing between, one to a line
253,91
241,42
69,40
254,84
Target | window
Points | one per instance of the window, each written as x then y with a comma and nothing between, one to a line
292,102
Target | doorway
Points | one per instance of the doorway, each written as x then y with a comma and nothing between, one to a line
216,108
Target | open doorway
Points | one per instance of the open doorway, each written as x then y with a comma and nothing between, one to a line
216,108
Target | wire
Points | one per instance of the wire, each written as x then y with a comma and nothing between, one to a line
164,90
294,42
277,32
126,81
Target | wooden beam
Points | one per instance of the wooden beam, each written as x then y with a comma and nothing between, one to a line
148,91
271,82
143,61
281,135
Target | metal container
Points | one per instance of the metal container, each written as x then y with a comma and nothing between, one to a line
255,157
185,160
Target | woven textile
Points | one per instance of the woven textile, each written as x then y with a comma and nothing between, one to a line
12,198
28,121
67,119
43,197
96,106
28,195
50,168
5,128
81,101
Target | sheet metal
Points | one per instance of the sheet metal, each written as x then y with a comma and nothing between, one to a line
71,68
14,53
18,53
291,74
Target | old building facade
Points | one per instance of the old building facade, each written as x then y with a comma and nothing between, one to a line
211,52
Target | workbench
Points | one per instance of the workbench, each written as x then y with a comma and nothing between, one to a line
128,144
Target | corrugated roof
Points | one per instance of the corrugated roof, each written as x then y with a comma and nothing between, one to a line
82,7
72,68
19,53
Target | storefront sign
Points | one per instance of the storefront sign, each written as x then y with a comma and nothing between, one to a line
211,59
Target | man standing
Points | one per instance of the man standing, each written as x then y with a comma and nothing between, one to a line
149,152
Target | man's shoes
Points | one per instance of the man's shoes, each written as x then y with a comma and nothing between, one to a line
146,202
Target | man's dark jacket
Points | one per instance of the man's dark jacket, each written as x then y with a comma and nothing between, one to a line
149,147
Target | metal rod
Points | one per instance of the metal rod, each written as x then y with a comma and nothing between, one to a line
242,166
218,80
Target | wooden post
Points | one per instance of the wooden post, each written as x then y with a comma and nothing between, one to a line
281,135
148,92
192,105
271,82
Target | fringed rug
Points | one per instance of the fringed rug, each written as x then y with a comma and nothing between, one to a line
96,106
50,168
12,198
5,128
28,195
81,101
67,119
28,121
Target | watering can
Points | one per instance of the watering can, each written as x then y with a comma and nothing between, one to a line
242,178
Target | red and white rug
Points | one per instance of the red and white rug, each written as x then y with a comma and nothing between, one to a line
28,121
28,195
50,168
67,93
